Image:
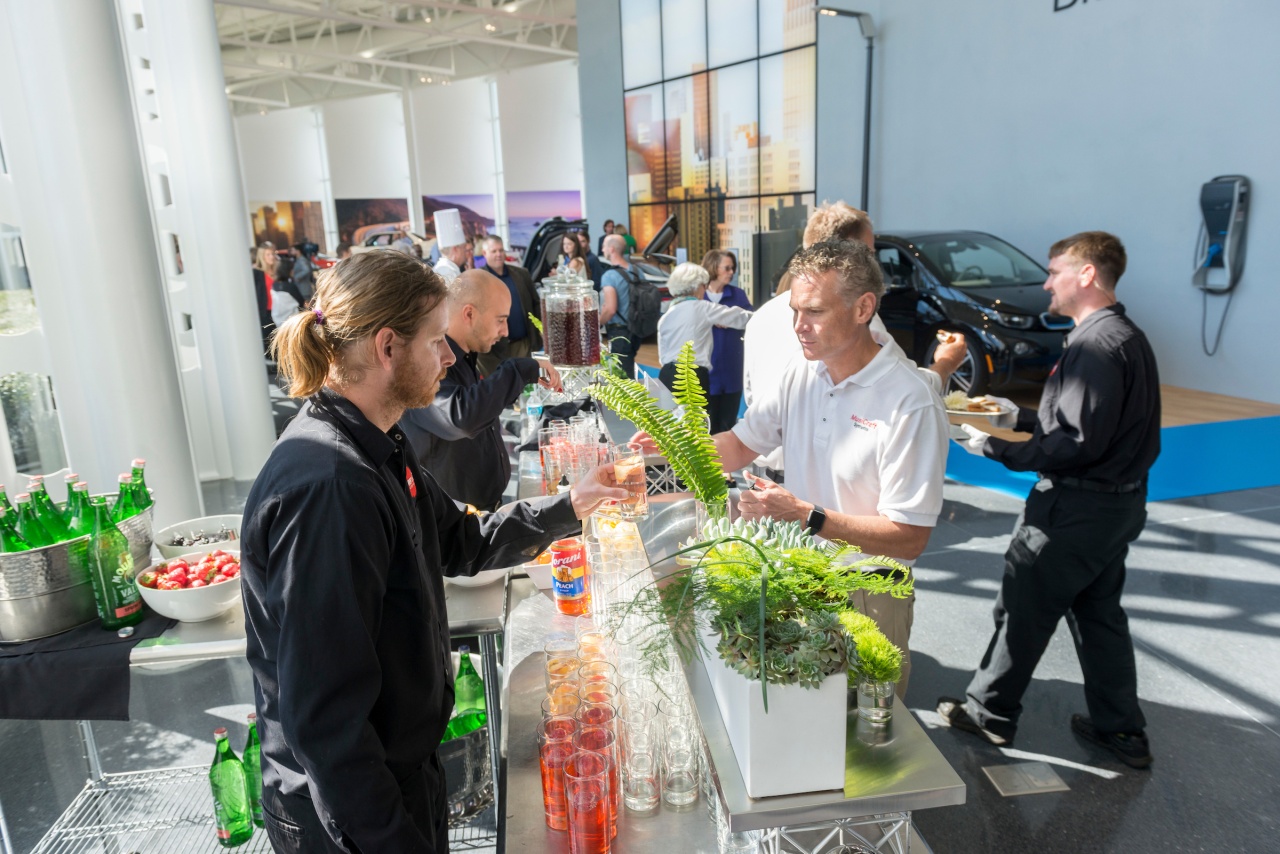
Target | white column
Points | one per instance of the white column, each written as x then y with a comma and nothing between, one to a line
211,218
72,148
411,146
501,224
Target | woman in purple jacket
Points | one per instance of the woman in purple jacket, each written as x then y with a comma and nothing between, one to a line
726,355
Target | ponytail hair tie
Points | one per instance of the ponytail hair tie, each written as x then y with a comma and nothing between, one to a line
319,316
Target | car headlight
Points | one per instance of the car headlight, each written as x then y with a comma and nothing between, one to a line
1013,321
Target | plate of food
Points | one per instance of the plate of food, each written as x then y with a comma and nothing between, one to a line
958,403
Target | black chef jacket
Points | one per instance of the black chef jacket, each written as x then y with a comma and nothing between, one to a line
344,543
1099,417
458,437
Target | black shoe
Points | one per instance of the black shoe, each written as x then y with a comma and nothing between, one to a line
953,713
1130,748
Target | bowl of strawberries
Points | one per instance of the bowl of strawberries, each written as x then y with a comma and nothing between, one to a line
194,587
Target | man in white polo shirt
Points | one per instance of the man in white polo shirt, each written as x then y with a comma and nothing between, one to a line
864,435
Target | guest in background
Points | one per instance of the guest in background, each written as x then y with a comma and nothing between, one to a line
621,228
725,397
571,257
285,298
522,338
304,270
608,229
595,267
264,264
455,248
691,318
344,251
615,301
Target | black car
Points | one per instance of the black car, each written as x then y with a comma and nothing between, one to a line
974,283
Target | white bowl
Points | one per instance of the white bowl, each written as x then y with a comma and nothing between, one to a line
480,579
196,604
204,524
540,574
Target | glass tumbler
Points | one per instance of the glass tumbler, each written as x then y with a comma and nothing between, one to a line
587,797
555,746
628,472
681,754
602,740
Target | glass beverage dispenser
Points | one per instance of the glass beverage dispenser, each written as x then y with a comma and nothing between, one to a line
571,321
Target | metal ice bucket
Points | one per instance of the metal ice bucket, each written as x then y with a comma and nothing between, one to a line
467,775
46,591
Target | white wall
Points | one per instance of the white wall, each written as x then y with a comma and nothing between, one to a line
455,138
541,131
367,156
280,156
1010,118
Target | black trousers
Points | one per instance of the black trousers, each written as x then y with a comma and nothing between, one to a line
294,826
667,376
624,347
1066,559
723,409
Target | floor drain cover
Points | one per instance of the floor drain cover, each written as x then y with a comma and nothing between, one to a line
1025,778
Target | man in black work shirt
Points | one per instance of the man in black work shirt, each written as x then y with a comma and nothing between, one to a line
521,337
458,438
1093,441
345,542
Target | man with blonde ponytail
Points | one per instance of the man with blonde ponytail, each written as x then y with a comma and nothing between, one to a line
345,540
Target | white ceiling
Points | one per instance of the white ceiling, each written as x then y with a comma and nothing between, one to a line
287,53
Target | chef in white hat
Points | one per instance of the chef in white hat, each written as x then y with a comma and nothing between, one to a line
455,249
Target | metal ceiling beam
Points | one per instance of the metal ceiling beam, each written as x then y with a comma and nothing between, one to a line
340,17
494,11
249,99
281,73
291,50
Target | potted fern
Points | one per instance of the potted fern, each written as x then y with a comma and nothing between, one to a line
683,438
766,606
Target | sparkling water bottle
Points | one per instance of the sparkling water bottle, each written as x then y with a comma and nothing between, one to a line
232,820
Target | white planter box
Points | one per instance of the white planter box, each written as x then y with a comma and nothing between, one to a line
798,746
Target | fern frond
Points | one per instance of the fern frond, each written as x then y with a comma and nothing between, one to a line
537,324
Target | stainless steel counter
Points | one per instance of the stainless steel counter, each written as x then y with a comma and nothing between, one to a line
472,611
888,770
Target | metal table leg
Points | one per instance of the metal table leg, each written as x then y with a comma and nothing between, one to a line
493,711
90,750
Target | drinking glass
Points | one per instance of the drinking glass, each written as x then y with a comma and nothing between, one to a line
602,740
555,746
588,799
597,714
598,691
560,704
681,749
562,669
628,472
561,645
641,788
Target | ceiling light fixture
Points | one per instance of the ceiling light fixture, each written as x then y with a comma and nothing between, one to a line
426,16
491,28
367,54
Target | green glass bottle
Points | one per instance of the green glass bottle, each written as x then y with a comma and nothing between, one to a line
231,817
111,571
29,525
141,494
253,769
126,501
10,539
4,500
70,481
468,698
80,522
47,512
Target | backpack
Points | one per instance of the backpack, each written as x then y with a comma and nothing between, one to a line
644,305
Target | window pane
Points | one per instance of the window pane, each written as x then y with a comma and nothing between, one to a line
698,226
684,37
645,222
641,43
35,437
787,116
646,158
17,304
687,117
735,131
739,219
786,23
731,31
782,222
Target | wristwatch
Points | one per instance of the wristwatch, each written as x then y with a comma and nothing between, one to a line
816,519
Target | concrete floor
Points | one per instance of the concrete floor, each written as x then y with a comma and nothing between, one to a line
1203,597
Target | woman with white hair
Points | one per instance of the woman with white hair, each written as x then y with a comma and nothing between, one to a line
691,318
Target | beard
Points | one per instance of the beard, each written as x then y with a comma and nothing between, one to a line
411,388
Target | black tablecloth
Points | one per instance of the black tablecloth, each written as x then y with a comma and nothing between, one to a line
82,674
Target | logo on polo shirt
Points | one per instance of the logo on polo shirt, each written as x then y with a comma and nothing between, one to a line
862,423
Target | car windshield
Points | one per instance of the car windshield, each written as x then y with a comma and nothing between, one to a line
979,260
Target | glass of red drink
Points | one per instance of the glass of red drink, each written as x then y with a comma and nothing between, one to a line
555,747
588,797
